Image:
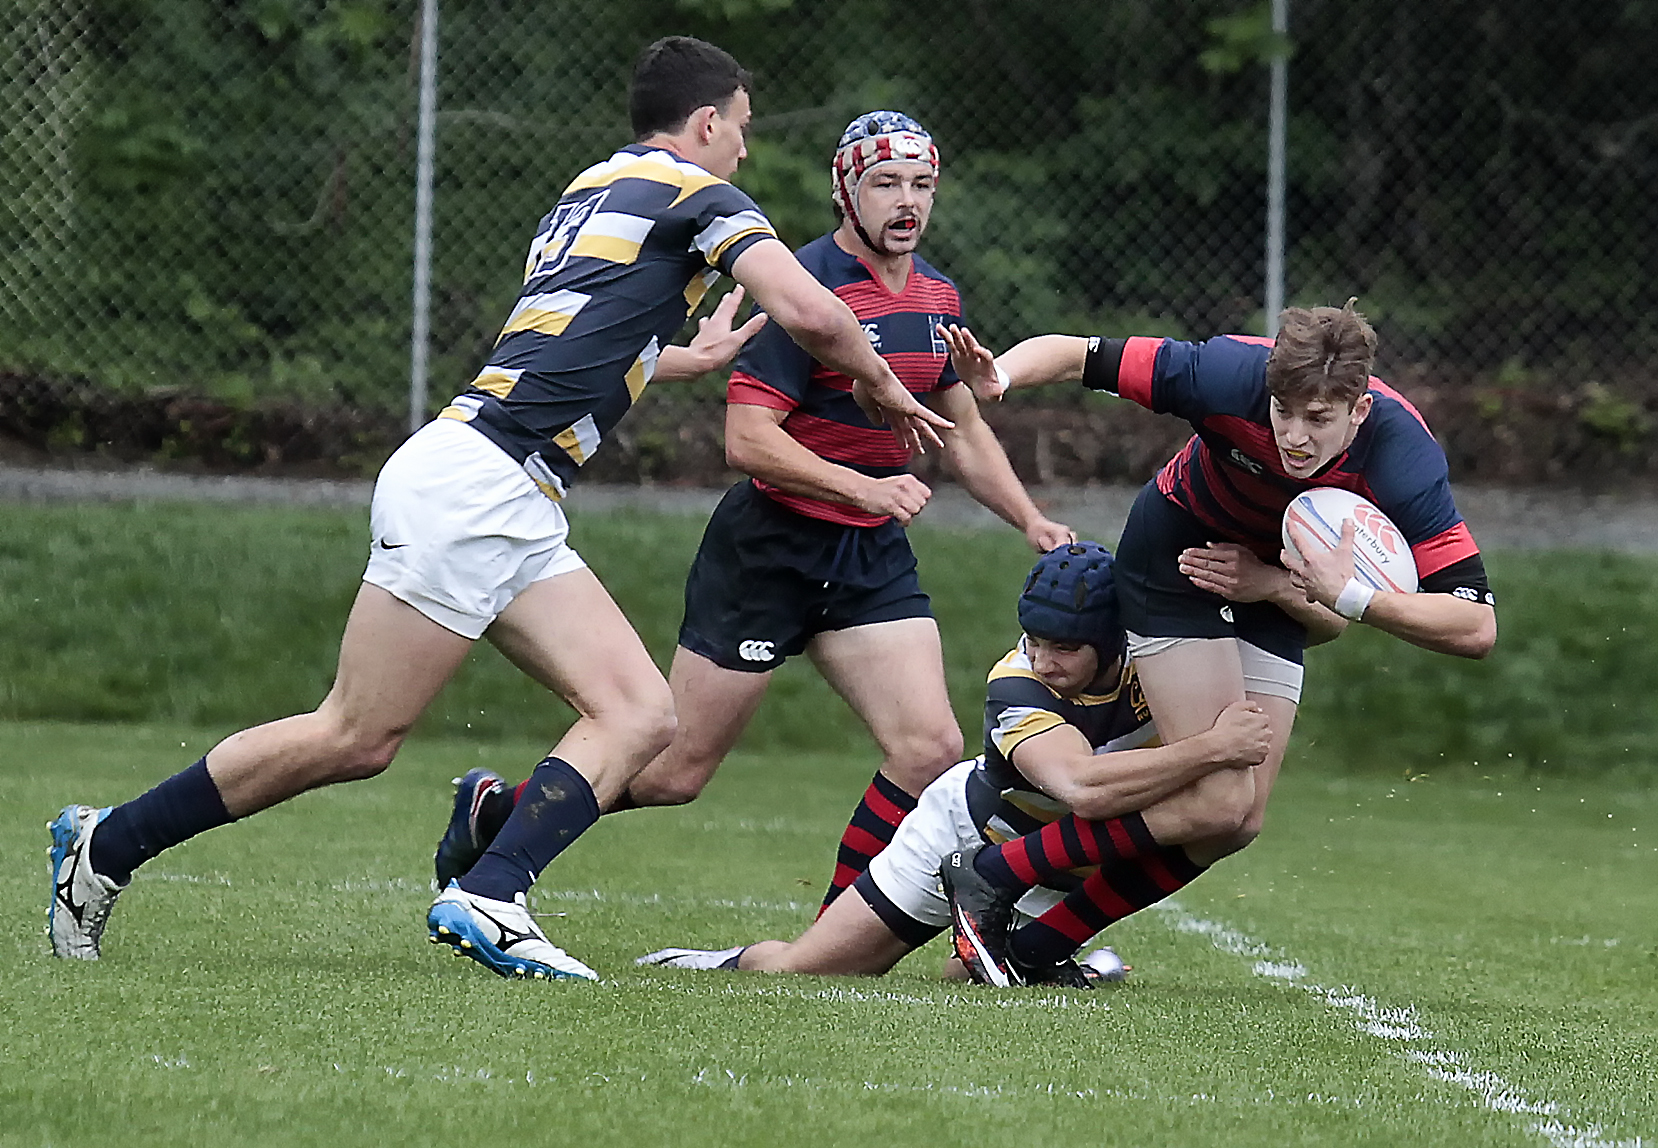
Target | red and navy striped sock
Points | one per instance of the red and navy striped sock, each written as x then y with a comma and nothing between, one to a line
870,831
1111,893
1063,845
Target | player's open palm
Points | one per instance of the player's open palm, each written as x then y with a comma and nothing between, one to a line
973,362
717,342
1230,570
1245,734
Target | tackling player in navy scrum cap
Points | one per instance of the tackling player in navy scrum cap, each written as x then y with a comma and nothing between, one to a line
469,539
1216,610
809,554
1066,730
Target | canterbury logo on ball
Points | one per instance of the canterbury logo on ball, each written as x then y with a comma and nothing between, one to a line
1381,526
752,651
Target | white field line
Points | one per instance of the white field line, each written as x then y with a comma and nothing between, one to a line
1413,1042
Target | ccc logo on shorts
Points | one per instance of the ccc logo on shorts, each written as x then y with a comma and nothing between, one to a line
752,651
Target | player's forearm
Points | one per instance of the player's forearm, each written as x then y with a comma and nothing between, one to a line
979,462
1323,624
1112,784
1044,359
767,452
678,364
1442,623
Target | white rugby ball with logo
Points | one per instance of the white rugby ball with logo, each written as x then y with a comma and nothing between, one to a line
1381,558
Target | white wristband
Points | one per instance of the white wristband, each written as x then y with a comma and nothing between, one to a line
1354,600
1002,377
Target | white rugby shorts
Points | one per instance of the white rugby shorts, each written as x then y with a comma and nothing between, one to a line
459,530
907,871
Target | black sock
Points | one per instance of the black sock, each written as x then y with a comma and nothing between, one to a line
184,805
556,806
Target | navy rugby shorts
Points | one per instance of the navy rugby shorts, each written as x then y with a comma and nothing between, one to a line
1158,601
766,581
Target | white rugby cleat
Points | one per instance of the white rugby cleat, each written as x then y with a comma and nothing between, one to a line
501,936
693,958
81,899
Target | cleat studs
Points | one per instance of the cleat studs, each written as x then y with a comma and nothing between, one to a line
465,944
443,930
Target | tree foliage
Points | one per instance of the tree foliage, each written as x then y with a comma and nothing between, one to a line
1478,174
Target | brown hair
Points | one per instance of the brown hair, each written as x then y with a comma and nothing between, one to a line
1321,353
674,77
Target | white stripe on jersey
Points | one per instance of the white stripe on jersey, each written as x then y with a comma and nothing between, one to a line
619,225
720,232
549,313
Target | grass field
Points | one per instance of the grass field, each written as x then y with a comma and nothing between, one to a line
1466,958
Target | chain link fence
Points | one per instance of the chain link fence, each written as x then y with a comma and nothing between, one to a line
207,205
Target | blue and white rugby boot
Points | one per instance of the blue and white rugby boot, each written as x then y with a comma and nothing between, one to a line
482,805
501,936
81,899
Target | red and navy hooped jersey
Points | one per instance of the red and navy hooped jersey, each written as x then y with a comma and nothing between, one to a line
1230,477
612,273
774,372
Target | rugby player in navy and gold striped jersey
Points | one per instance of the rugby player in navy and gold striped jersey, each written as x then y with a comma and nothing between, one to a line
469,539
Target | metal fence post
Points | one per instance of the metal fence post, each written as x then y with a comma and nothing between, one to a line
422,301
1275,168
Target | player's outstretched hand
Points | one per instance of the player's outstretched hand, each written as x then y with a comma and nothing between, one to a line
973,362
716,343
902,496
1245,735
1322,574
1232,571
888,401
1044,534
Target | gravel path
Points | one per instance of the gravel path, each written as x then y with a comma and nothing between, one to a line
1499,518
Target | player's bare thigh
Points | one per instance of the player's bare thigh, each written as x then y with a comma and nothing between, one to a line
567,633
714,705
892,675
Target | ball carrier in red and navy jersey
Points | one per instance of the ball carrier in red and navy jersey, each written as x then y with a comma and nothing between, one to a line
809,553
1228,483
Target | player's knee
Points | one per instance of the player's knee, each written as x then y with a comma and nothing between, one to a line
921,757
360,753
675,789
642,712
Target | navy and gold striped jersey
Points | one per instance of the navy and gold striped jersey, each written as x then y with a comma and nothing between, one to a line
613,272
1017,707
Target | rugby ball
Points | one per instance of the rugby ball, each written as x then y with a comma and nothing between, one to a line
1381,558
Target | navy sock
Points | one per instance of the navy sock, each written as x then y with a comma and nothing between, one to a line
184,805
556,806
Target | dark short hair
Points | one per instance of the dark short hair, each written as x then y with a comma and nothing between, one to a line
674,77
1321,353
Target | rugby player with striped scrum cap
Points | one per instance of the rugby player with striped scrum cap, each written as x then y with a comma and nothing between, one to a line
808,554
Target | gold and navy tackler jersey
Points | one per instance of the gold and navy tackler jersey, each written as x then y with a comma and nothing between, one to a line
1017,707
612,274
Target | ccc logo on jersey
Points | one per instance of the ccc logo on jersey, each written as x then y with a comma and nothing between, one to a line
1243,461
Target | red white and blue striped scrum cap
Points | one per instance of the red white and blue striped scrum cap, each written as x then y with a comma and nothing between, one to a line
869,141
